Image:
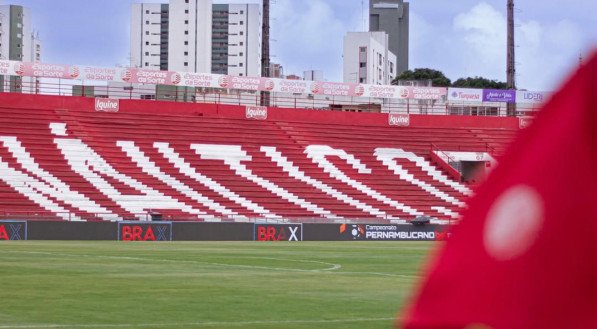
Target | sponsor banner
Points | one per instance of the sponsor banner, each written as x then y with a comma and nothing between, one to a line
256,112
46,70
246,83
465,95
383,91
278,232
99,73
7,67
192,79
382,232
144,231
292,86
434,93
13,230
496,95
207,80
337,89
107,105
143,76
532,97
395,119
524,122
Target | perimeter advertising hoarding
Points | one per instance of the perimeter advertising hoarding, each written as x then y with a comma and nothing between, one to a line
144,231
501,96
13,230
465,95
389,232
278,232
532,97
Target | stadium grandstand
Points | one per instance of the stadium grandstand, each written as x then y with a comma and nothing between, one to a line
78,158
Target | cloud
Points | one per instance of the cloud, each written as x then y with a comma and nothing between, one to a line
544,51
308,35
482,39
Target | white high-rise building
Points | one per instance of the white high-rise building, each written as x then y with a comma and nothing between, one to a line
236,41
18,42
367,58
197,36
174,36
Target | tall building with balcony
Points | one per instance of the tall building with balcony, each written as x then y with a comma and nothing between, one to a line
197,36
174,36
368,59
236,39
18,42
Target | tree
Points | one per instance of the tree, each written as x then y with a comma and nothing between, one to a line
479,82
438,79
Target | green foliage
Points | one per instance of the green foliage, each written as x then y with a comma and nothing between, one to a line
216,285
438,79
479,82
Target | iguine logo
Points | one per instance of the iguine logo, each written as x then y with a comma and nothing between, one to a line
398,119
256,112
107,105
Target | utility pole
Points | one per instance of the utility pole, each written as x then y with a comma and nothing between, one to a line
265,61
510,58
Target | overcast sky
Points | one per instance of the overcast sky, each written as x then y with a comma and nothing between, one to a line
459,37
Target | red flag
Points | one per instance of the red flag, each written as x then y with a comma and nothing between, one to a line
525,253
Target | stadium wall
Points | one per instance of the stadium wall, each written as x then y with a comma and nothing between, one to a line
201,231
23,101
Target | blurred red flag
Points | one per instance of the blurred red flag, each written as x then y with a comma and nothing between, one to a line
525,254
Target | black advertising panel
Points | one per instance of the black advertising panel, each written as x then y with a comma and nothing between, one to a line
392,232
13,230
278,232
189,231
42,230
144,231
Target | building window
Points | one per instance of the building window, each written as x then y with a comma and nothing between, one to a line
241,33
186,1
146,22
147,11
146,32
147,43
241,23
186,32
147,53
186,21
186,63
242,12
241,43
362,64
241,74
186,43
186,53
240,64
241,54
186,11
146,63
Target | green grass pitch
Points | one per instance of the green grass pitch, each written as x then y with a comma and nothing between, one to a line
76,284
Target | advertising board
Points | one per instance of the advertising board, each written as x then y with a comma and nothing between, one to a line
144,231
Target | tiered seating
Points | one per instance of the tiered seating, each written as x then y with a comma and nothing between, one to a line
85,165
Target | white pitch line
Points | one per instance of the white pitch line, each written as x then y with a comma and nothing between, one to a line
194,324
331,266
